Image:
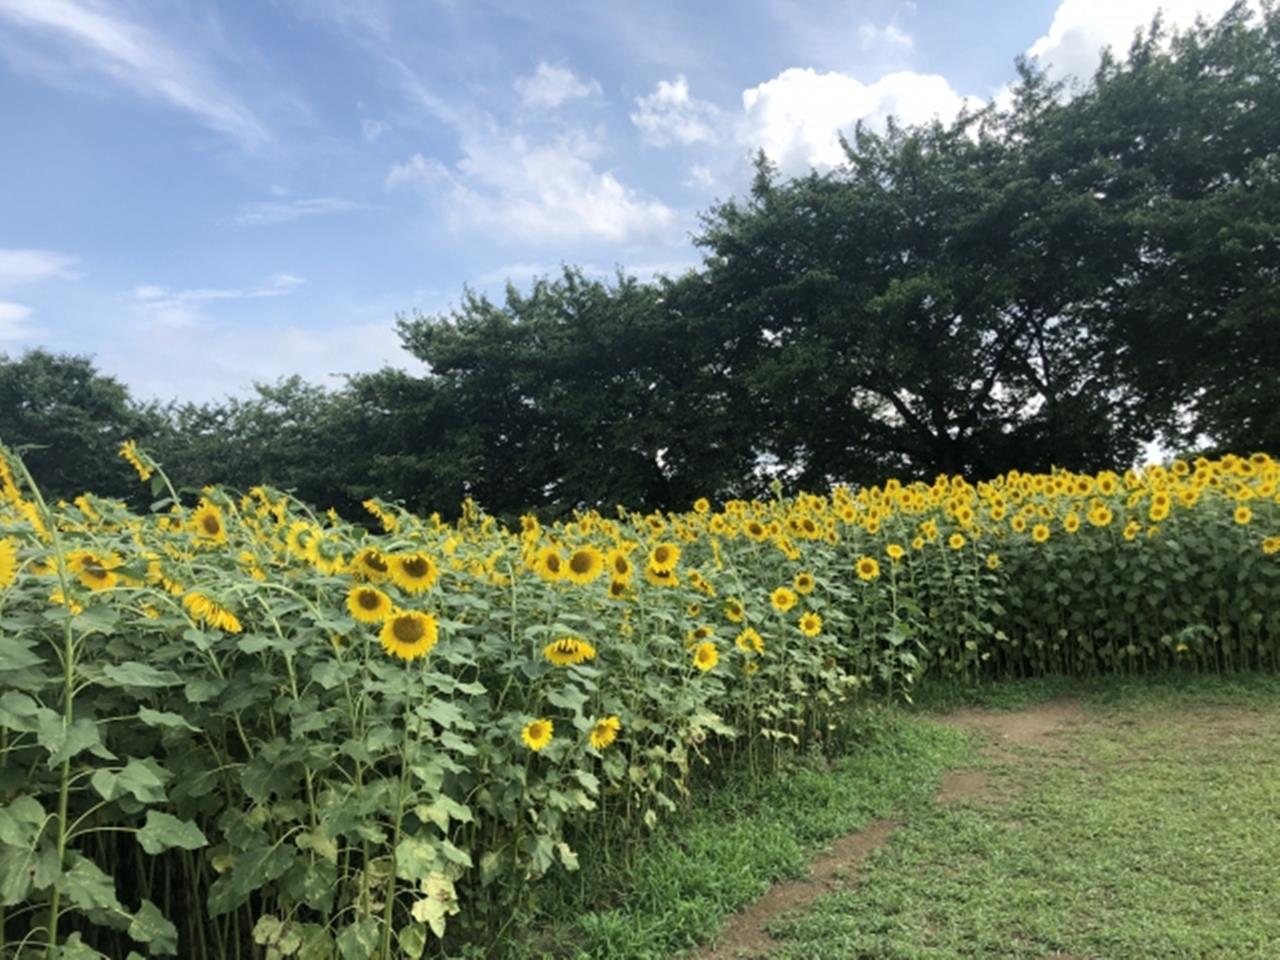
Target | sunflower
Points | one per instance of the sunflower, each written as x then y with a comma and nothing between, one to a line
211,613
618,589
129,451
868,568
369,564
368,604
413,572
569,650
661,578
734,612
208,523
537,734
619,564
895,552
749,641
956,541
93,570
1242,515
585,564
409,634
604,732
783,599
803,583
993,561
706,656
1271,546
8,562
1071,522
810,624
1132,529
702,505
549,564
755,530
1018,524
1100,515
1040,532
664,557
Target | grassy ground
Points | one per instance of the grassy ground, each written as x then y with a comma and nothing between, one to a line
1149,828
733,842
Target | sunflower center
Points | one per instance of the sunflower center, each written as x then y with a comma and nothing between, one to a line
210,524
621,566
92,568
376,563
553,563
407,629
661,555
415,566
580,562
368,600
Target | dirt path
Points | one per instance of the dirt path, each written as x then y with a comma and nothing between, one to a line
745,935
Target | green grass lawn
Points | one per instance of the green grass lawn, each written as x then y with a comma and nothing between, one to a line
1149,827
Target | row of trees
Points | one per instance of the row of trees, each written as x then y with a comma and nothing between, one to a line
1053,280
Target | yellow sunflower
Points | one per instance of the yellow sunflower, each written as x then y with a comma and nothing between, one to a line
701,505
1132,529
1071,522
749,641
868,568
537,734
1040,532
1242,515
756,531
706,656
93,570
810,624
368,604
208,611
803,583
783,599
664,557
895,552
956,541
8,562
734,611
993,561
619,564
569,650
409,634
208,523
1271,546
619,589
369,564
129,451
661,578
585,564
549,564
413,572
604,732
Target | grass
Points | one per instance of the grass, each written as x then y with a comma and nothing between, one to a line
1151,829
734,840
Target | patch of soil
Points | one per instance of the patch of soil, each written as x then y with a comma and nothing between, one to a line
963,785
1033,726
744,934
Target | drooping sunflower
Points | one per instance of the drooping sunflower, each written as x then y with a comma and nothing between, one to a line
95,571
749,641
8,562
369,564
129,451
537,734
549,564
660,578
706,656
1132,529
208,524
604,732
585,564
208,611
783,599
803,583
810,624
664,557
409,634
568,651
368,604
868,568
413,572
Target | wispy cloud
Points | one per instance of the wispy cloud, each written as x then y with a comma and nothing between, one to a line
266,212
31,266
168,308
550,85
670,115
89,36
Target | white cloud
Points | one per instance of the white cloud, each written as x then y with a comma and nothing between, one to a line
1081,28
701,176
797,117
13,323
890,37
31,266
550,86
541,192
163,308
372,129
670,115
90,36
282,211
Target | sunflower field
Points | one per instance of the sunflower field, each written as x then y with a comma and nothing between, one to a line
240,728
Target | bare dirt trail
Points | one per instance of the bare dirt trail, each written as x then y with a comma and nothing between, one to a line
745,935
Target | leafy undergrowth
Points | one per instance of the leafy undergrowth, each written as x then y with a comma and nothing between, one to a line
1149,828
735,839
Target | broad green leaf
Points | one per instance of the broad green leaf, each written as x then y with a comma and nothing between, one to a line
160,718
17,654
65,742
88,887
163,831
359,940
152,927
134,674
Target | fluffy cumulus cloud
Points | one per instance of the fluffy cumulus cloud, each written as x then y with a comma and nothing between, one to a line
798,116
671,115
1081,28
515,188
550,85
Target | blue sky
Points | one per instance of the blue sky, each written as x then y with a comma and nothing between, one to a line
204,195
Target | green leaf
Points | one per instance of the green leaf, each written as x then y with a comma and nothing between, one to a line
25,869
359,940
443,809
159,718
162,831
74,948
21,713
65,742
88,887
139,778
21,822
412,940
134,674
15,654
152,927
